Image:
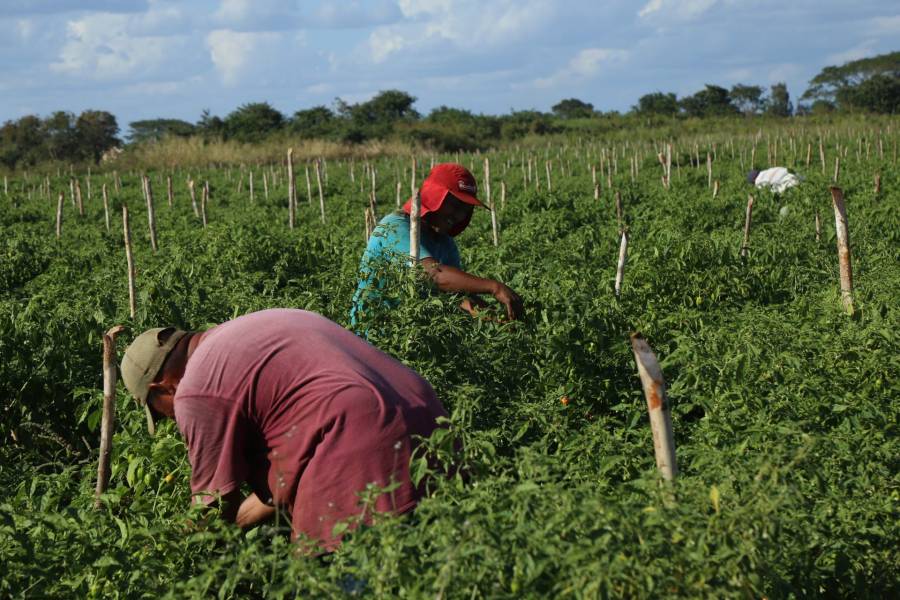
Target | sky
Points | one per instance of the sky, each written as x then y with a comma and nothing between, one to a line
144,59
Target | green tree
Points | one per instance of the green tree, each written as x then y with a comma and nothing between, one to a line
21,142
747,98
778,104
314,122
60,137
156,129
711,101
96,132
849,88
657,103
252,122
573,108
210,126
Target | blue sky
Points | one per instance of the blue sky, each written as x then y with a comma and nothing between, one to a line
164,58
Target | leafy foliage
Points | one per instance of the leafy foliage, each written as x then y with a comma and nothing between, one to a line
784,408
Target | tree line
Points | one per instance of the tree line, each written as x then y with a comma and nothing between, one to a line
865,85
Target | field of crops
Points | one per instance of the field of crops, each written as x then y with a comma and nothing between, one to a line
784,407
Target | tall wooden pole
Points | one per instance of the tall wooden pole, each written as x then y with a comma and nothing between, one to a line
414,226
59,210
108,421
319,184
105,206
843,244
745,247
620,266
129,257
657,405
292,188
151,216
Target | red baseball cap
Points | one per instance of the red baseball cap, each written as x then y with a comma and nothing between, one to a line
444,179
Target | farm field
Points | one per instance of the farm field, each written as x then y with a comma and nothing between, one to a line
784,407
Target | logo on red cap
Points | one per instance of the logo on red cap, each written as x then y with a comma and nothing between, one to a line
470,188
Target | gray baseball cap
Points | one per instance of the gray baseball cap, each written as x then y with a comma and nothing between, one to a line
142,361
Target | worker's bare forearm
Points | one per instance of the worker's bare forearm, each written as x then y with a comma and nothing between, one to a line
452,279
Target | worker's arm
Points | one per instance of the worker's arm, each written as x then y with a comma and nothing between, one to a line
245,512
452,279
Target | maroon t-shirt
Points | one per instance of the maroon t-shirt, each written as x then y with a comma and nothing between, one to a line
306,412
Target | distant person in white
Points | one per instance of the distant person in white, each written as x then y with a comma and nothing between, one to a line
777,179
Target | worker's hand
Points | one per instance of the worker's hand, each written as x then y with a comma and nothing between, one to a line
473,305
509,299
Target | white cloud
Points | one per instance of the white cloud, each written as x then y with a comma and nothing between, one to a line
234,52
385,41
584,65
886,25
679,10
861,50
25,28
103,46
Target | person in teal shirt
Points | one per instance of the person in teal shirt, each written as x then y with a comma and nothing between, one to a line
447,202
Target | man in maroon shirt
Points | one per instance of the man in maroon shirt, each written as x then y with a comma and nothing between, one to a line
304,411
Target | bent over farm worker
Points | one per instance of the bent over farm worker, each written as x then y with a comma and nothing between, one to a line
777,179
448,198
302,410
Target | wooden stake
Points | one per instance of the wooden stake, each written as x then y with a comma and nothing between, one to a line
745,247
193,199
308,184
657,405
170,196
715,188
414,229
59,208
549,183
129,257
105,206
413,169
204,198
837,168
292,188
319,185
818,228
709,178
843,244
108,421
620,267
78,201
265,186
620,219
151,216
502,195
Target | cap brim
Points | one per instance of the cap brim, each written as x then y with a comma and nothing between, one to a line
467,198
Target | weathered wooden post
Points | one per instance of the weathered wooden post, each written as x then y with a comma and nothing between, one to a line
170,196
193,198
745,247
78,200
129,257
108,420
308,184
204,198
709,179
715,188
502,195
837,168
657,406
319,184
105,206
292,188
818,227
414,227
151,216
413,169
59,208
843,244
620,267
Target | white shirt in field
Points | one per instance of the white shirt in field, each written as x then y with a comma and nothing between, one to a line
777,179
